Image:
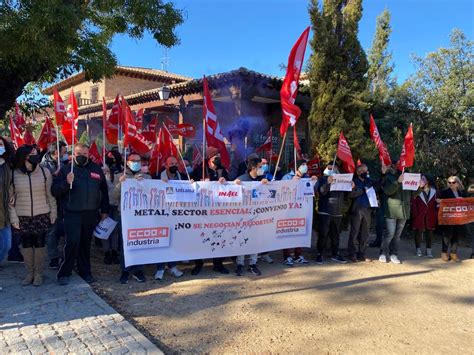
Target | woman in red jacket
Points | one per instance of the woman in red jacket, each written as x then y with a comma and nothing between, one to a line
424,214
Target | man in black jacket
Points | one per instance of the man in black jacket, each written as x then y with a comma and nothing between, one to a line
83,192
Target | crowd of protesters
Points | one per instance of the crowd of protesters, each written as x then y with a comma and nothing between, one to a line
48,211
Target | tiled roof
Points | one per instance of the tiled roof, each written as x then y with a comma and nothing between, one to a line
144,73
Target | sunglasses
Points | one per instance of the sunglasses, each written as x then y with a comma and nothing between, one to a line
452,182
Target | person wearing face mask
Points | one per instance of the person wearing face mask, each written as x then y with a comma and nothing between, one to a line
214,172
424,213
330,205
266,170
32,210
360,216
132,171
6,154
397,211
83,192
50,162
301,173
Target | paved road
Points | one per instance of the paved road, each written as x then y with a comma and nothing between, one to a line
62,319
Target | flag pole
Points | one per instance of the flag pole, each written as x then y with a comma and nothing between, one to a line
124,160
294,146
279,155
179,151
72,151
57,146
103,143
203,148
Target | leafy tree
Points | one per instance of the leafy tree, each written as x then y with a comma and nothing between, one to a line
43,40
338,65
84,138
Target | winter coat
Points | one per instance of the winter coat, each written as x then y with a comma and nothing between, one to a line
448,193
117,194
396,200
359,195
31,194
424,211
330,202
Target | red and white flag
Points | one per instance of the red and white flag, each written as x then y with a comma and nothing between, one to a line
28,138
59,108
112,124
151,132
407,157
163,149
314,166
94,154
214,137
344,153
197,156
267,146
48,134
289,89
20,120
139,118
69,128
172,127
132,137
384,155
15,134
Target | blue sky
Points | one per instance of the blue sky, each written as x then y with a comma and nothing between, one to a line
222,35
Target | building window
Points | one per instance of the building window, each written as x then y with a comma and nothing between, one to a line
94,94
78,98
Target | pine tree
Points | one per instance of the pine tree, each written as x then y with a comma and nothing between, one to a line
380,67
337,77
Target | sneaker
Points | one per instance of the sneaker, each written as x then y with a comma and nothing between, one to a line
418,252
394,259
159,274
139,276
253,269
382,258
289,261
319,259
338,259
240,270
196,270
108,258
428,253
63,280
221,269
54,264
267,259
124,278
301,260
175,272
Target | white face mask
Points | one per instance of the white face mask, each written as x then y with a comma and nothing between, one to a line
260,172
2,150
303,169
328,172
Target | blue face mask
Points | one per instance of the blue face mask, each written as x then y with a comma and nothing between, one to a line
2,150
134,166
189,169
265,168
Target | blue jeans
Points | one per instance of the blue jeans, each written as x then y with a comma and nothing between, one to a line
56,231
392,238
5,242
161,266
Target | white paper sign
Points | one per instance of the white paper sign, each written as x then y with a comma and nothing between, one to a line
305,188
228,193
269,217
105,228
411,181
342,182
372,196
180,191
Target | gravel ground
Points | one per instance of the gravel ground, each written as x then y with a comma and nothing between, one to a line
422,306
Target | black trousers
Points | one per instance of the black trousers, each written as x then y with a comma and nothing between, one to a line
328,226
218,262
451,237
359,234
78,227
33,240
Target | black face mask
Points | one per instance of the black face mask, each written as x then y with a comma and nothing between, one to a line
33,160
217,162
173,169
110,162
363,175
81,160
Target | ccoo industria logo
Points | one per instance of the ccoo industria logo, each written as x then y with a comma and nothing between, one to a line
146,238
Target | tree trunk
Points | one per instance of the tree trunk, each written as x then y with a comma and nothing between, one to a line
11,86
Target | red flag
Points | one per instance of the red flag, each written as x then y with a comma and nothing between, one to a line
359,163
407,157
139,118
28,138
150,133
111,127
94,154
344,153
74,110
69,128
15,134
267,145
132,137
19,119
172,127
59,108
314,166
289,89
214,135
163,149
186,130
383,151
296,143
197,156
47,135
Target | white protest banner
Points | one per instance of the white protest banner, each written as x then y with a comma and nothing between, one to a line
228,192
268,218
305,188
181,191
105,228
372,196
342,182
411,181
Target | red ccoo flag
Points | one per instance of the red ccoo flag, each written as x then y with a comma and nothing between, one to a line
132,137
47,135
289,89
407,157
28,138
267,145
59,108
20,120
15,134
150,133
383,151
344,153
111,128
214,135
94,154
139,118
